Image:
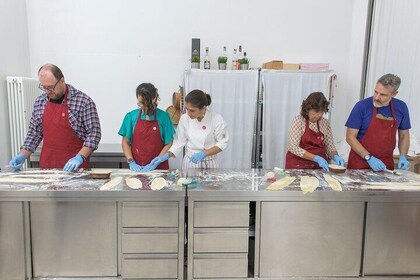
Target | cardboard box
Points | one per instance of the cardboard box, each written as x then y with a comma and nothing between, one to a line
291,66
274,64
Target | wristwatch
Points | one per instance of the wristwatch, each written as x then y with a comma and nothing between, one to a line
130,160
367,157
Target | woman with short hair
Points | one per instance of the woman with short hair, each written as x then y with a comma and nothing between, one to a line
311,141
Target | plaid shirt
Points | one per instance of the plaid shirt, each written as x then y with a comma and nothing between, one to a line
297,129
83,118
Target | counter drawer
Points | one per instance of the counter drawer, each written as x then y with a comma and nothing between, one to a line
150,214
221,240
220,265
150,266
221,214
148,240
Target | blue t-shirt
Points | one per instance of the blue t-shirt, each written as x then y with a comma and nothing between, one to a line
166,127
361,115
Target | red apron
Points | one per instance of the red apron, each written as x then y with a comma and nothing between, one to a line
312,142
379,140
60,141
147,142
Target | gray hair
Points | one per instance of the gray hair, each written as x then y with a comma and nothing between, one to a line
390,80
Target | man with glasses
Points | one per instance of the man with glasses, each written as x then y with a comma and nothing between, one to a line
66,119
372,127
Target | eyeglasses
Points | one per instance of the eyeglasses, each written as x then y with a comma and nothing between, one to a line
50,88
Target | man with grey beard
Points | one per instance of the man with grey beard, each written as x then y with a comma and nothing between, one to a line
372,127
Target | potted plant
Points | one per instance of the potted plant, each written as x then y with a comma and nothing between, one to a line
195,62
222,62
244,62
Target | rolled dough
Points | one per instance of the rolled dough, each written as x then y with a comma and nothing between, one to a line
158,183
134,183
308,184
111,184
283,182
333,183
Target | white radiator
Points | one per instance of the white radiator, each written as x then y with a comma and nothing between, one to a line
21,95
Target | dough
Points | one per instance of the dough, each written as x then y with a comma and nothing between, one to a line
394,187
284,182
269,175
335,166
183,181
100,171
112,183
333,183
134,183
25,180
308,184
158,183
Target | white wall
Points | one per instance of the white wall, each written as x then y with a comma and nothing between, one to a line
14,61
107,48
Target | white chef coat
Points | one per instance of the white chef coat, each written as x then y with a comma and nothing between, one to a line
200,135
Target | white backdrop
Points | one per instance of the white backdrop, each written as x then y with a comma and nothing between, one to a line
395,48
107,48
234,96
283,96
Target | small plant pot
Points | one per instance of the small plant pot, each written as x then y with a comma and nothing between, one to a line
195,65
222,66
244,66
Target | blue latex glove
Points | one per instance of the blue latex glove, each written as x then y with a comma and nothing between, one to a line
197,157
160,159
403,163
339,160
134,166
151,166
376,164
322,162
73,163
17,162
155,162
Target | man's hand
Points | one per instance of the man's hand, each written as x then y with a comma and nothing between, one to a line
376,164
197,157
17,162
403,163
73,163
322,162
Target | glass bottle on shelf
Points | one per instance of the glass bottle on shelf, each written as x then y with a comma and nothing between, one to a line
235,60
207,59
240,56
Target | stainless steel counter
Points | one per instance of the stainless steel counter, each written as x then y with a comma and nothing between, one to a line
140,233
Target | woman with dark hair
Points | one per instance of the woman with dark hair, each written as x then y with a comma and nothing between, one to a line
311,141
147,132
201,131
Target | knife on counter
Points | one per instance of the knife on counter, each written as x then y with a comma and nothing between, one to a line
392,172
